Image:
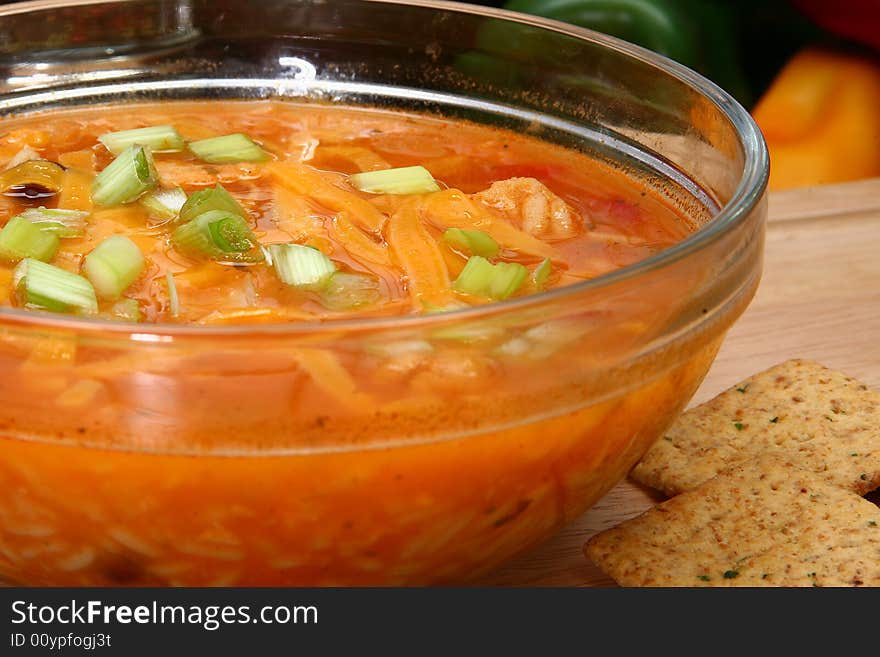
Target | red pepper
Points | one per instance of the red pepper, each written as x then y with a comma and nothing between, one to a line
858,20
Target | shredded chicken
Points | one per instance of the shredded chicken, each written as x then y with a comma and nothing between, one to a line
528,203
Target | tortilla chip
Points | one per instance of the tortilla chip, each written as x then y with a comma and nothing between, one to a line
763,523
822,420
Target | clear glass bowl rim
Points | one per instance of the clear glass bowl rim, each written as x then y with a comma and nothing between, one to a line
746,196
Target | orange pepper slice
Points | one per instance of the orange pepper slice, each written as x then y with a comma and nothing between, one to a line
821,121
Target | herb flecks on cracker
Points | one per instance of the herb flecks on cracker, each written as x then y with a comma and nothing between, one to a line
821,419
779,524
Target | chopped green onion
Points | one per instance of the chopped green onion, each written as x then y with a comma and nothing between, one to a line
159,138
399,348
481,278
63,223
469,333
403,180
507,279
558,332
542,273
210,199
113,265
267,255
127,310
218,235
475,277
173,299
42,286
165,203
432,308
21,239
346,291
544,340
127,177
237,147
475,242
301,266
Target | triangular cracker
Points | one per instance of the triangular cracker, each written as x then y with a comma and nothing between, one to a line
763,523
822,420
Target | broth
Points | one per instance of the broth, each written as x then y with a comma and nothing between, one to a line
536,200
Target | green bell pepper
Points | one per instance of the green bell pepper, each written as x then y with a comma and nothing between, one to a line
701,35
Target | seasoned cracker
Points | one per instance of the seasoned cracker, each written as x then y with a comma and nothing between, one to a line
763,523
821,419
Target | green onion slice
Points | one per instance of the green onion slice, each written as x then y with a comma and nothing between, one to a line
21,239
475,242
544,340
346,291
507,279
210,199
237,147
301,266
431,308
475,277
218,235
469,333
399,348
481,278
126,310
542,273
164,203
44,287
159,138
127,177
63,223
113,265
403,180
173,299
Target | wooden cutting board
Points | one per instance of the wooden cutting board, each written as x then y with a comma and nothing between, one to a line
819,298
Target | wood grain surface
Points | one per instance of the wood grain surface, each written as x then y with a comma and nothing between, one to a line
819,298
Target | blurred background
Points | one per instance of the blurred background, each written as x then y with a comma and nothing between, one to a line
808,70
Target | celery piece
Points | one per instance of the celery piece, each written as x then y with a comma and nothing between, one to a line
481,278
301,266
113,266
218,235
475,242
205,200
63,223
236,147
542,273
164,203
21,239
126,178
346,291
402,180
45,287
158,138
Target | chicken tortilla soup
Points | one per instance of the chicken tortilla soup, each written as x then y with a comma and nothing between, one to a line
276,454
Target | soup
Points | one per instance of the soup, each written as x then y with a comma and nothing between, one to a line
319,188
406,452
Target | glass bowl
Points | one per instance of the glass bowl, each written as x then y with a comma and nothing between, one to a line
280,454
